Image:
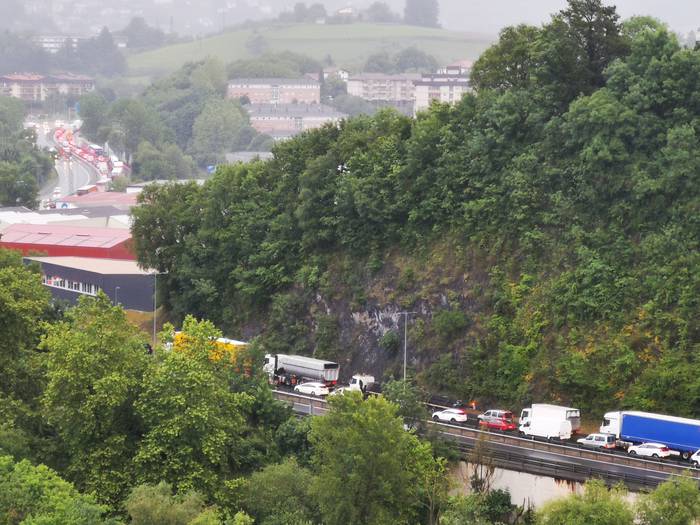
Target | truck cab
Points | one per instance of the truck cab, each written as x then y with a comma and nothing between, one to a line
611,424
360,382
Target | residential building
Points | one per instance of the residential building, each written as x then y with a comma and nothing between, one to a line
54,43
276,90
378,86
37,88
69,278
64,240
335,72
282,121
461,67
442,87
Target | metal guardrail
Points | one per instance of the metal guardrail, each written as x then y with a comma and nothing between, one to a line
519,456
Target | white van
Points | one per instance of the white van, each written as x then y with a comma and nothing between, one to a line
549,428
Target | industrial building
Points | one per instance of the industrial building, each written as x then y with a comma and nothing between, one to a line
124,282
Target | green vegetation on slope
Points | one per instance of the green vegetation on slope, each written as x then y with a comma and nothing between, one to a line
572,215
349,45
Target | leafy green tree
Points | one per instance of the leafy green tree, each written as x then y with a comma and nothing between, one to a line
257,44
598,505
421,13
101,55
194,424
24,302
674,502
408,398
413,59
17,52
381,13
95,365
281,494
131,123
168,162
17,188
575,49
11,116
217,130
38,496
292,438
368,467
157,505
510,63
379,63
142,36
286,64
93,112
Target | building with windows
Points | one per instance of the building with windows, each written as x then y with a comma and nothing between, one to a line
54,43
64,240
378,86
276,90
442,87
37,88
69,278
286,120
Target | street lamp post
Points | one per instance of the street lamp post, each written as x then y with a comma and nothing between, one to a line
116,295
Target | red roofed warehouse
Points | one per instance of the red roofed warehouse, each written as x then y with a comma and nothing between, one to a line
55,240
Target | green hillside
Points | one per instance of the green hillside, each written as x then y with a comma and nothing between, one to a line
348,45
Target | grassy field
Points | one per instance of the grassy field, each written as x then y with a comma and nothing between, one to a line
348,45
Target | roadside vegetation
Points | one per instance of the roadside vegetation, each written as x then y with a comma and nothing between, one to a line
97,429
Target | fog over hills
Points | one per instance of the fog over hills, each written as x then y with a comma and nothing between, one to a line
491,15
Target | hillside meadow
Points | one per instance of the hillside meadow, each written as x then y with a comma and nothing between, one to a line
348,45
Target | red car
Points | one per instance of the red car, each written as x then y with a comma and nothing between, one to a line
497,419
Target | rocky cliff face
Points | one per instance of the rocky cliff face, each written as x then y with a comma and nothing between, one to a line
355,317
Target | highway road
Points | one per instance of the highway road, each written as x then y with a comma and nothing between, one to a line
564,461
72,173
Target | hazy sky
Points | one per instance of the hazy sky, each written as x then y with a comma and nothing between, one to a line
488,16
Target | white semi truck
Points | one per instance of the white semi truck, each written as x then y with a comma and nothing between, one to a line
549,421
289,370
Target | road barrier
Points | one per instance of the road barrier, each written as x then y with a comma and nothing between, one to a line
518,453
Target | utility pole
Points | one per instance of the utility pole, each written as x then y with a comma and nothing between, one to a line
405,338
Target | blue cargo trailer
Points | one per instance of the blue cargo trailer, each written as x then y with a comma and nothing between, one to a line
632,428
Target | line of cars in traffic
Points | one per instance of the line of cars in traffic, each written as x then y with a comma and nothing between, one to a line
639,433
642,434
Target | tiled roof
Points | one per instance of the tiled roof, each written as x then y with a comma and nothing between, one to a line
292,110
90,264
272,81
59,235
102,198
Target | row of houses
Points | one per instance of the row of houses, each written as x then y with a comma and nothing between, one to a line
31,87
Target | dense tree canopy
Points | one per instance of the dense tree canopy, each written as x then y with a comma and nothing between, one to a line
95,370
579,218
